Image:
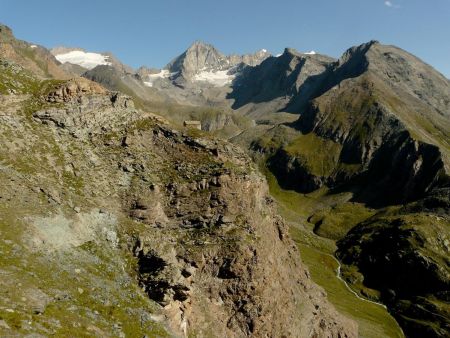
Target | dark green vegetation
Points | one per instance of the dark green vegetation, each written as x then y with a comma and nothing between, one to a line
403,252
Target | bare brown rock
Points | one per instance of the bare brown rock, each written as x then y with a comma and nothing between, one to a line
74,89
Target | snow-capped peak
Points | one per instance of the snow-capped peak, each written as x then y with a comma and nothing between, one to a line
84,59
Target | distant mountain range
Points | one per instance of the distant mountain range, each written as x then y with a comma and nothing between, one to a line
201,62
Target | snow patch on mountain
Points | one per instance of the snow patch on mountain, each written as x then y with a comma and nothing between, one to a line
84,59
310,53
163,74
217,78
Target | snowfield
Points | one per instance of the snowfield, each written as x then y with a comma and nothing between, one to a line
83,59
163,74
218,78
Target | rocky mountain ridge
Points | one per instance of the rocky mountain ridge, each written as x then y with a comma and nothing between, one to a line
365,113
377,128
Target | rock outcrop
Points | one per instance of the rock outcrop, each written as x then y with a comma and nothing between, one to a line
88,107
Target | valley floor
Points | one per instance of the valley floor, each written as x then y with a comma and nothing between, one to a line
318,254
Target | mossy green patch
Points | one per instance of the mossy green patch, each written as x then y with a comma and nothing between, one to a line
84,292
336,221
275,138
319,155
16,79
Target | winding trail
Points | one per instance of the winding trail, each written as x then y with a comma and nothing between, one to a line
338,275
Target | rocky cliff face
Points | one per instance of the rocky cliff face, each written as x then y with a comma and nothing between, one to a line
152,230
218,265
279,80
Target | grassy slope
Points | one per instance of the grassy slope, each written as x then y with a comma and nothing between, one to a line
319,155
86,291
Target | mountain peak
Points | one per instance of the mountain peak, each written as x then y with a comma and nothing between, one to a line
203,62
360,49
80,57
200,43
199,47
88,60
291,52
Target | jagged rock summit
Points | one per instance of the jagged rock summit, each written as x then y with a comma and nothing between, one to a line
202,62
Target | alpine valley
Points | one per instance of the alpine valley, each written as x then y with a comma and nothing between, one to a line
314,201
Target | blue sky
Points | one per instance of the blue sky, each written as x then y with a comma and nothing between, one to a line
153,32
